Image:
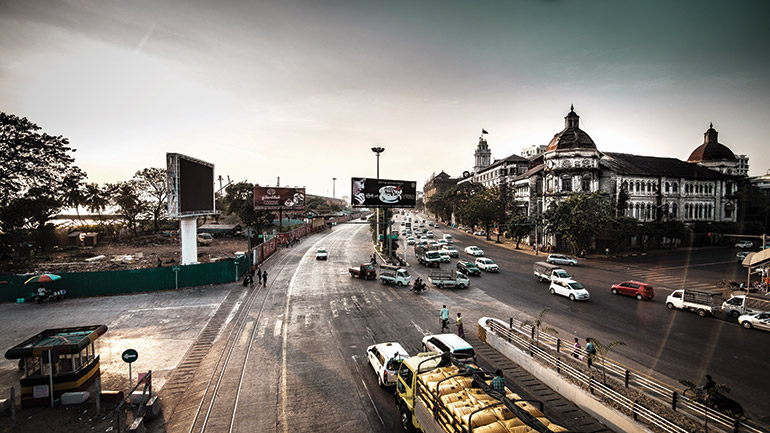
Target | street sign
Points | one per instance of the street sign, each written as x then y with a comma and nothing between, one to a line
176,268
129,355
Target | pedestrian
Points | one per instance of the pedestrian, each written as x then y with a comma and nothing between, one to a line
498,382
264,278
160,263
251,281
444,316
460,331
709,386
607,252
590,352
259,275
576,351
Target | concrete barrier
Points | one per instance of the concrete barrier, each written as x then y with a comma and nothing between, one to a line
77,397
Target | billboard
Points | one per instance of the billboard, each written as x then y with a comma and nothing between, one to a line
279,198
190,186
367,192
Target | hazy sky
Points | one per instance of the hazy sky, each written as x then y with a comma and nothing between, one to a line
304,89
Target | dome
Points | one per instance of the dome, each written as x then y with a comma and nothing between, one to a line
571,137
711,149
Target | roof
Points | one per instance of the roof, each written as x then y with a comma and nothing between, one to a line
757,259
711,149
624,163
219,228
60,340
571,137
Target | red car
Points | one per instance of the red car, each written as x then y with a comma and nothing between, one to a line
634,288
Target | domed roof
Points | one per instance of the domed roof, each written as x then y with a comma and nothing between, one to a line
711,149
571,137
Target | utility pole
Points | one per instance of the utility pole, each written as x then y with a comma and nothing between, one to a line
334,187
378,150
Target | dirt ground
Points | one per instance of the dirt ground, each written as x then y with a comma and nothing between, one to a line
140,252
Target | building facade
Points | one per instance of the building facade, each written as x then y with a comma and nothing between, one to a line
438,184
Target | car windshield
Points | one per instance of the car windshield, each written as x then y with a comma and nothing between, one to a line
576,286
321,251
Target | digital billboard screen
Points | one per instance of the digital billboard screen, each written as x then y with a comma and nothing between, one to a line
367,192
279,198
191,186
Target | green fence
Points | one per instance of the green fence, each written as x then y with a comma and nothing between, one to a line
80,284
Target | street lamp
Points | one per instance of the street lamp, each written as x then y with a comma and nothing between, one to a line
378,150
334,187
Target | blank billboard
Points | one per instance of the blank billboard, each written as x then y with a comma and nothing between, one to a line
367,192
191,186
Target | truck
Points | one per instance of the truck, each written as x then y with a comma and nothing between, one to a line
438,394
449,278
752,303
549,272
365,271
395,275
427,256
703,303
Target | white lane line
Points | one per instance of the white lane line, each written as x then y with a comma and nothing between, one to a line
278,326
376,298
385,295
419,329
333,306
368,393
261,331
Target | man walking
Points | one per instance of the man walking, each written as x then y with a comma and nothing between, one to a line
444,315
590,352
460,330
259,275
264,278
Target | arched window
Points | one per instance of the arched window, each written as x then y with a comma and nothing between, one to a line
675,188
586,184
667,187
674,210
638,186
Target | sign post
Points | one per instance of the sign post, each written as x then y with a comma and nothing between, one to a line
129,356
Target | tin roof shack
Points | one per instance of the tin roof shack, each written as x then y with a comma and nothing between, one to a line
221,230
62,359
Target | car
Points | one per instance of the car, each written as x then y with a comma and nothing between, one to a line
410,240
449,239
741,255
468,268
467,230
429,234
479,233
386,359
561,259
444,256
474,251
636,289
442,343
451,250
403,232
442,242
744,244
205,239
757,320
433,245
569,288
424,238
487,265
321,254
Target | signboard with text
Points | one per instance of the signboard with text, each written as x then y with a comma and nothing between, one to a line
277,198
367,192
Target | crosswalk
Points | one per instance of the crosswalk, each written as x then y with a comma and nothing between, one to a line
662,280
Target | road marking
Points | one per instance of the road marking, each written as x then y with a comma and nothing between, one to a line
696,266
420,330
332,305
385,295
261,332
307,320
277,328
368,394
377,299
394,292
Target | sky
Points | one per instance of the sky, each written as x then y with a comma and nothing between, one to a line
302,90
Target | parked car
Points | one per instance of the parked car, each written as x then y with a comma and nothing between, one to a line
561,259
744,244
474,251
569,288
741,255
480,233
385,359
451,250
758,320
321,254
468,268
486,264
634,288
205,239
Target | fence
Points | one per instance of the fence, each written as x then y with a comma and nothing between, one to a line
548,349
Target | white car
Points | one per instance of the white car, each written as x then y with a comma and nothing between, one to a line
321,254
441,343
410,240
571,289
561,259
205,238
442,242
444,256
451,250
385,359
429,234
758,320
480,233
744,244
486,264
474,251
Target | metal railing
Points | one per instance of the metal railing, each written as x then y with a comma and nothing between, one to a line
547,348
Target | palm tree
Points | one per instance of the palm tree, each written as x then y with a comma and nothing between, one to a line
95,199
73,191
603,351
538,326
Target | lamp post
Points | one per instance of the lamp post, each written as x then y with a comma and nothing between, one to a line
378,150
334,187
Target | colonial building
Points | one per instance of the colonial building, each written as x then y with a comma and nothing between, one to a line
438,184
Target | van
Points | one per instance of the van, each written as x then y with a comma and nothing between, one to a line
449,239
442,343
385,359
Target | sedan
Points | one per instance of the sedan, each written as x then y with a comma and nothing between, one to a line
410,241
444,256
487,265
321,254
468,268
569,288
429,234
561,259
758,320
474,251
451,250
741,255
744,244
480,233
634,288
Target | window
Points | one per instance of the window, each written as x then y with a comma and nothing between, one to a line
586,186
668,185
674,210
566,184
675,188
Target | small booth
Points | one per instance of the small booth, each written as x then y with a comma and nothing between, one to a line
62,360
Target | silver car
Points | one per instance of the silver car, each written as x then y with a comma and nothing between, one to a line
759,321
561,259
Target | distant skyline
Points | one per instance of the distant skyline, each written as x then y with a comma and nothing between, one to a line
302,90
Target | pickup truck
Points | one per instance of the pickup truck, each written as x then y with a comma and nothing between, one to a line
449,279
427,256
365,271
395,275
746,304
703,303
549,272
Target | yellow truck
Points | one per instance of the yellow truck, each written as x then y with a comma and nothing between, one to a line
436,394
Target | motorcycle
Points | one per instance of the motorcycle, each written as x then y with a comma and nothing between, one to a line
419,287
43,295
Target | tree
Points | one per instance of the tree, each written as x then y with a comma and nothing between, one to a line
538,325
74,193
604,351
239,200
578,219
127,198
95,199
153,188
518,227
621,229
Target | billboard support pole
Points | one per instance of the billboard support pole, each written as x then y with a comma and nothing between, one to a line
188,229
390,240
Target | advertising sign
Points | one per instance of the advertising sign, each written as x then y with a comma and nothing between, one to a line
277,198
368,192
190,186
